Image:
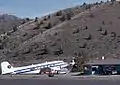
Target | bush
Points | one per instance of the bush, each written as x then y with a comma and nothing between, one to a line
36,19
118,17
24,34
56,33
41,22
59,13
48,17
68,16
43,51
27,19
62,18
48,26
82,45
14,28
26,51
99,29
87,36
103,22
101,2
84,4
80,60
104,32
88,6
84,28
58,52
45,18
113,34
75,31
23,21
113,1
1,46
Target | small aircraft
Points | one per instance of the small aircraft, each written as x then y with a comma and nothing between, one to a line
56,66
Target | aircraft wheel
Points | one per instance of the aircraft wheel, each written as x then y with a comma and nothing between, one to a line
51,75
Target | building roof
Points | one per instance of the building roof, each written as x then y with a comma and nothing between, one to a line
104,62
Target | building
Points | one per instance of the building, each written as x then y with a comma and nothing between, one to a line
102,67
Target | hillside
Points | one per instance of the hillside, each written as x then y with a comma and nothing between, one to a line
92,30
7,22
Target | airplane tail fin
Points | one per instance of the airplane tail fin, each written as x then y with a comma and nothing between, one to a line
6,68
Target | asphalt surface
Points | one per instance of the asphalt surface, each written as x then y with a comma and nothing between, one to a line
58,80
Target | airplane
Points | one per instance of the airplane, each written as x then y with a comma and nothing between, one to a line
56,66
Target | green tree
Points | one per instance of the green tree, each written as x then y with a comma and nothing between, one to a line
80,60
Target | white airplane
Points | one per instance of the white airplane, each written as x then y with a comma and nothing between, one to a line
57,66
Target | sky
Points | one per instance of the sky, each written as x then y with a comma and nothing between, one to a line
37,8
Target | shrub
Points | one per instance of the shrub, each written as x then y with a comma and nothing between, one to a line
58,52
43,51
24,34
62,18
84,4
36,19
27,19
59,13
103,22
26,51
14,28
56,33
87,36
88,6
1,46
82,45
45,18
48,17
75,31
80,60
101,2
86,27
104,32
118,17
68,16
113,34
113,1
99,29
41,22
23,21
48,26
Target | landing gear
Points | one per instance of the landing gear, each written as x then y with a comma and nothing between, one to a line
51,75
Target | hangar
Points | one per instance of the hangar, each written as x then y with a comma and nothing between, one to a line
102,67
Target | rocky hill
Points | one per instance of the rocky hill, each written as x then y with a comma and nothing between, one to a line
89,29
7,22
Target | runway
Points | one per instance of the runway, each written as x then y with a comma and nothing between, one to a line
59,82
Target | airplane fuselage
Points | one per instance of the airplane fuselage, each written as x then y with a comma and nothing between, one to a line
34,68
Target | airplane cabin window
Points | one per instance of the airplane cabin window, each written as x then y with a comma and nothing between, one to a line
9,66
